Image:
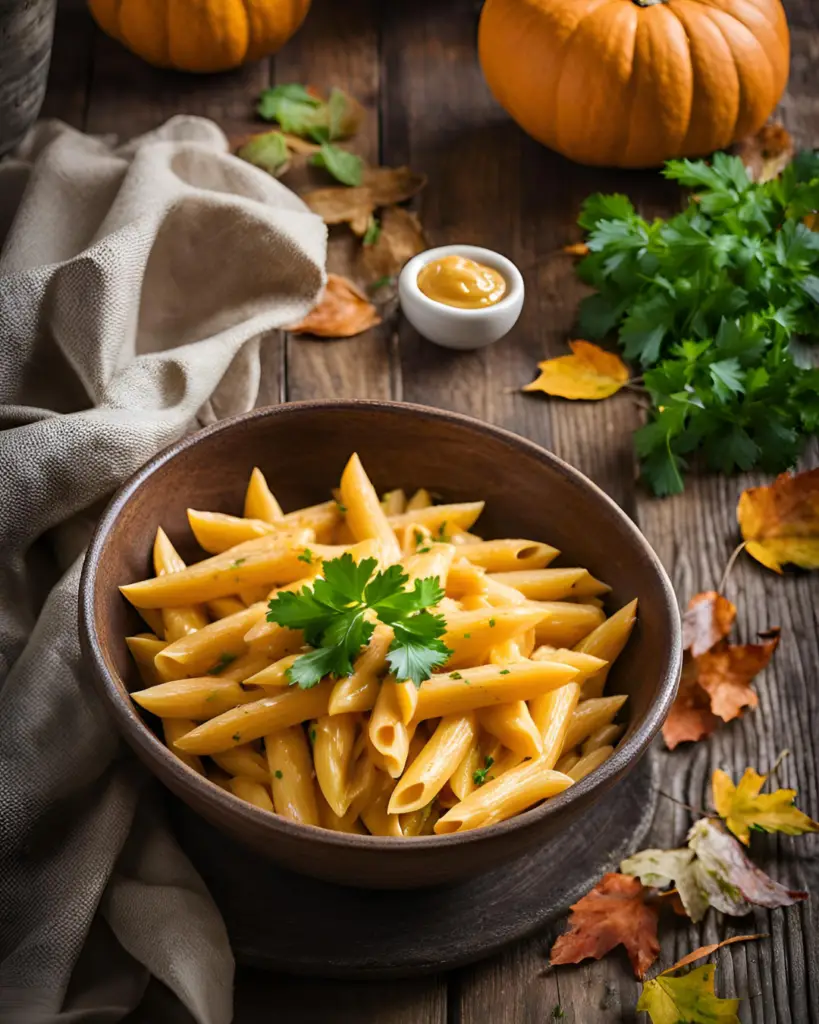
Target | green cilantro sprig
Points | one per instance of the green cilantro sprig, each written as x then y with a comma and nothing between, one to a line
713,303
337,616
479,775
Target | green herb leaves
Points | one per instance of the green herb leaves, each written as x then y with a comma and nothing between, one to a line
479,775
338,613
712,303
344,167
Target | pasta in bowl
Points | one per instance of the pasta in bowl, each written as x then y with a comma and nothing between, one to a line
375,687
453,681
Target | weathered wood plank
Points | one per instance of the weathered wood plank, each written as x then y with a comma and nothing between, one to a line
338,46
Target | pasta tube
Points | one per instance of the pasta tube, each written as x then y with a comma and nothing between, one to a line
606,642
274,676
586,664
604,737
365,516
273,559
332,754
359,691
471,635
457,692
388,732
503,797
256,719
394,503
462,780
420,499
589,762
291,775
591,715
217,644
552,584
564,624
259,500
184,619
440,520
251,792
552,714
199,698
244,761
221,607
512,724
172,729
144,648
321,520
506,555
217,532
441,755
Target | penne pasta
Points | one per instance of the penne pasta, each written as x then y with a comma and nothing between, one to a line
552,584
589,762
591,715
440,520
513,725
257,718
564,624
184,619
506,659
432,767
172,729
509,794
251,792
456,692
273,559
259,500
333,741
606,642
291,775
506,555
200,698
244,761
364,513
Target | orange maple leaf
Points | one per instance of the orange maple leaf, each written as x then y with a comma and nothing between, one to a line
589,373
690,718
726,671
614,913
342,312
780,523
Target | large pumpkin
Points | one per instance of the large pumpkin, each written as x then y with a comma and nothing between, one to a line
631,83
200,35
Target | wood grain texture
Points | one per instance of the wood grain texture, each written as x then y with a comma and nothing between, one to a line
415,65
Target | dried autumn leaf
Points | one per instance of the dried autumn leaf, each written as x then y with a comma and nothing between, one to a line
730,882
690,718
380,186
745,806
725,673
708,619
702,951
780,523
613,913
400,238
690,998
302,111
343,311
660,869
588,373
301,146
767,153
267,150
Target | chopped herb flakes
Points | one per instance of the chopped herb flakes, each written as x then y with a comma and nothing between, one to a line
278,774
504,672
237,563
225,659
306,556
479,775
491,623
236,737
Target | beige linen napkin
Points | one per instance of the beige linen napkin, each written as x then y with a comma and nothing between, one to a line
136,286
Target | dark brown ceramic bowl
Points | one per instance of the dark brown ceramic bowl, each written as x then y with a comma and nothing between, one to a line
302,449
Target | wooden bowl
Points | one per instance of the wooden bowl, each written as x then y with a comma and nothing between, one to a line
302,449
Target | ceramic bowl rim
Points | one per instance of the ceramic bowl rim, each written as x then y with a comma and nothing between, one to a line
138,734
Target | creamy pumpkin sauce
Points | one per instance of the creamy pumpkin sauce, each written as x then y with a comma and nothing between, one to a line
461,282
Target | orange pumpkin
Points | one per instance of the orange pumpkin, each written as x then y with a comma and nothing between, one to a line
200,35
631,83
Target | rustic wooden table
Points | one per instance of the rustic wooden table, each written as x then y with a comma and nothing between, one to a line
414,67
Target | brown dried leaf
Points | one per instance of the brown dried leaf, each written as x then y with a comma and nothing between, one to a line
726,671
707,620
767,153
343,312
303,147
613,913
401,237
780,522
690,718
380,186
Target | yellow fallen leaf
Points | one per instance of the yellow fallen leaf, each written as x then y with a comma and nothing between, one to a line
588,373
744,807
780,523
767,153
342,312
690,998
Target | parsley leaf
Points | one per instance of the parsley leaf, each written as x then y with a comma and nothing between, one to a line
479,775
715,303
337,616
344,167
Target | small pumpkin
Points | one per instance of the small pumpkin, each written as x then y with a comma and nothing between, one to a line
200,35
631,83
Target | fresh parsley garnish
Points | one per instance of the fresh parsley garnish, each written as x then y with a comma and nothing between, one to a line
344,167
306,556
455,675
504,672
443,536
467,636
333,614
479,775
278,773
236,737
225,659
713,303
419,537
312,735
342,508
237,563
491,623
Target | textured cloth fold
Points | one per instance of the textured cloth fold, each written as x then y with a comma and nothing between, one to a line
137,285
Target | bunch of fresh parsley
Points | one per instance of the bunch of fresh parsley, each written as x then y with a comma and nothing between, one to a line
715,304
338,613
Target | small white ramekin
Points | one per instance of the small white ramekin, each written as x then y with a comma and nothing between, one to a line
461,328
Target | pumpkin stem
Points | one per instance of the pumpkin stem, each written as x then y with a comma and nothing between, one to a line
648,3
